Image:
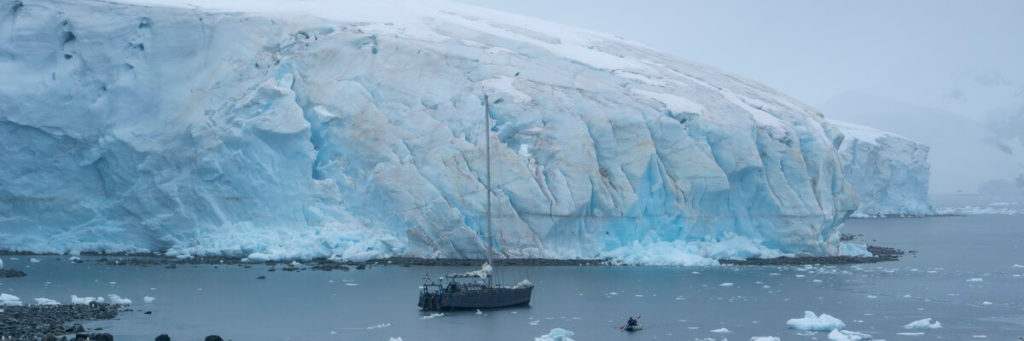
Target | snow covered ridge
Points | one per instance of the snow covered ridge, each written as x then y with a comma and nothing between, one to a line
355,130
889,172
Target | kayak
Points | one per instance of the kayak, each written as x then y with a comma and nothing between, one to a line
633,328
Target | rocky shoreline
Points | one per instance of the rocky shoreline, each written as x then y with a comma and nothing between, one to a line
45,322
881,254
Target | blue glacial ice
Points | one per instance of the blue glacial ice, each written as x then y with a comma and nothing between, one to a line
888,172
354,130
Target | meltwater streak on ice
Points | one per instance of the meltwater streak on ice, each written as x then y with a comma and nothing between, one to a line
350,130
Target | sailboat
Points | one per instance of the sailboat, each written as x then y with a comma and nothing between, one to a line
475,289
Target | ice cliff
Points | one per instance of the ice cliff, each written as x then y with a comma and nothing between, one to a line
355,130
888,172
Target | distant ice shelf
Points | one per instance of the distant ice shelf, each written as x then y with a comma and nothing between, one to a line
889,172
354,130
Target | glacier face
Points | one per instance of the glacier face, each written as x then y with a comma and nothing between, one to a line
356,130
889,172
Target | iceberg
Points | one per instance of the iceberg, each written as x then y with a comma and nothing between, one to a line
811,322
923,324
888,172
847,335
354,130
556,334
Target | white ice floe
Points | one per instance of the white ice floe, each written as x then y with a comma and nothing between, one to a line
115,299
478,312
824,322
148,299
395,338
46,301
352,284
910,334
847,335
986,303
432,316
923,324
765,338
557,334
1,264
726,284
85,300
721,330
379,326
976,279
979,336
534,322
8,299
1018,266
33,260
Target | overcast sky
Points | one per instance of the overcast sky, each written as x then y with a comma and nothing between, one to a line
918,51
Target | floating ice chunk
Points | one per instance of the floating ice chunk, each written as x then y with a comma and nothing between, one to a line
847,335
74,259
432,316
379,326
976,279
395,338
1018,266
824,322
726,284
115,299
923,324
910,334
148,299
557,334
8,299
478,312
979,336
534,322
986,303
46,301
85,300
1,264
721,330
33,260
352,284
765,338
872,296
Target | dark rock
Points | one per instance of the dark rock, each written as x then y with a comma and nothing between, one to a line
11,273
49,337
148,313
261,277
163,337
361,267
213,338
101,337
76,328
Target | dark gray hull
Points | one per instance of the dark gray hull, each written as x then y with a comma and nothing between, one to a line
476,298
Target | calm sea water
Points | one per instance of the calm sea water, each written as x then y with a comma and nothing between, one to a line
941,281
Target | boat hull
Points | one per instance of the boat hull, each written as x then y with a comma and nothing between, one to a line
479,298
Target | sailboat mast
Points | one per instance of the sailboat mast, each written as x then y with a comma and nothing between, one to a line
490,235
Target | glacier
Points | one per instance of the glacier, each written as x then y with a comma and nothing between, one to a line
888,172
354,130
